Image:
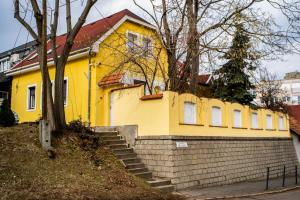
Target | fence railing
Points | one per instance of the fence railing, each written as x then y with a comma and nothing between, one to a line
291,171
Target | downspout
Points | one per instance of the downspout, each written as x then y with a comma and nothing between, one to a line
89,89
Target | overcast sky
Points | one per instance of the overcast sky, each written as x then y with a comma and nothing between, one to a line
10,28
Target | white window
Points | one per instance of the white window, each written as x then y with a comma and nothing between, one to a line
237,119
254,120
31,97
65,92
146,47
281,123
298,100
216,116
269,122
132,41
189,113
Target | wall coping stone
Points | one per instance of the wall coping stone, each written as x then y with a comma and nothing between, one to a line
175,137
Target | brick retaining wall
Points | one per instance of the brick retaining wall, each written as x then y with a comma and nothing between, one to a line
209,161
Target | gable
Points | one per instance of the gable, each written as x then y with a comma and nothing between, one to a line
90,36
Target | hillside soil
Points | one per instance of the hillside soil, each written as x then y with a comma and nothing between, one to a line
76,172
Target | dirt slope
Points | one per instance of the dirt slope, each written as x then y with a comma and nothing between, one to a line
26,172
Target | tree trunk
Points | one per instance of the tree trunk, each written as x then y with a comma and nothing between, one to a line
59,97
193,44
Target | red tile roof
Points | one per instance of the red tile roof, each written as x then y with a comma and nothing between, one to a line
87,35
294,112
204,79
111,79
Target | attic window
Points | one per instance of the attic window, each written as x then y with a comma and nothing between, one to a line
146,47
131,41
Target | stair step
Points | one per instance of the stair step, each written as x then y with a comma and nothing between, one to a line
107,133
145,175
138,170
131,160
122,151
166,188
105,138
156,183
134,165
126,155
118,146
109,142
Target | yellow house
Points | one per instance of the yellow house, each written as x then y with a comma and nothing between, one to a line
187,139
116,51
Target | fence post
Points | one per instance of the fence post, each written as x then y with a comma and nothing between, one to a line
283,178
296,174
267,183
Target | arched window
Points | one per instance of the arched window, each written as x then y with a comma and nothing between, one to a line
189,113
281,123
254,120
237,118
269,121
216,116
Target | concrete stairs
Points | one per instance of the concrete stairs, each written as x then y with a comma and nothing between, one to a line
130,160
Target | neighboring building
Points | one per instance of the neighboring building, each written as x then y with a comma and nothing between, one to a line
290,86
7,60
294,112
189,140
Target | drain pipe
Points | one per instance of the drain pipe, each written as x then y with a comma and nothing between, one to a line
89,89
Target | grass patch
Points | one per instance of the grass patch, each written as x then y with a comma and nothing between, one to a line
26,172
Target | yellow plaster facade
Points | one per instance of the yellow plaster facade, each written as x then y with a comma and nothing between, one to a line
111,56
165,116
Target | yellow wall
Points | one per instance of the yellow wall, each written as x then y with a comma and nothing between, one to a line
111,56
165,116
76,74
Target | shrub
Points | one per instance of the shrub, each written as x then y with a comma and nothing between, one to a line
7,117
77,126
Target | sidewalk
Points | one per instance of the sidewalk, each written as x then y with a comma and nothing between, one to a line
237,189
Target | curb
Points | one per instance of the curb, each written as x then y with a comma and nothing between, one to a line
252,195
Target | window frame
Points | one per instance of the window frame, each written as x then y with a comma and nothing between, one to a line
220,116
279,124
194,116
240,119
135,43
272,125
28,108
150,49
257,120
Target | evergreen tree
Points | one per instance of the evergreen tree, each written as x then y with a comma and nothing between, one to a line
232,81
7,117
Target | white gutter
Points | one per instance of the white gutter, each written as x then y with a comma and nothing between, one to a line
36,66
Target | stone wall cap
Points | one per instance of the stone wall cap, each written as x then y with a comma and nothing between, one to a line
175,137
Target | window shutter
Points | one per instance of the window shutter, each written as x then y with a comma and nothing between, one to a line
269,122
189,113
237,119
254,120
216,116
281,123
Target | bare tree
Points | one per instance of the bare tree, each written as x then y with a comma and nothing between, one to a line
61,61
210,26
269,90
53,112
40,35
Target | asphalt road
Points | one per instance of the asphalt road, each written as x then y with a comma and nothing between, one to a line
290,195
